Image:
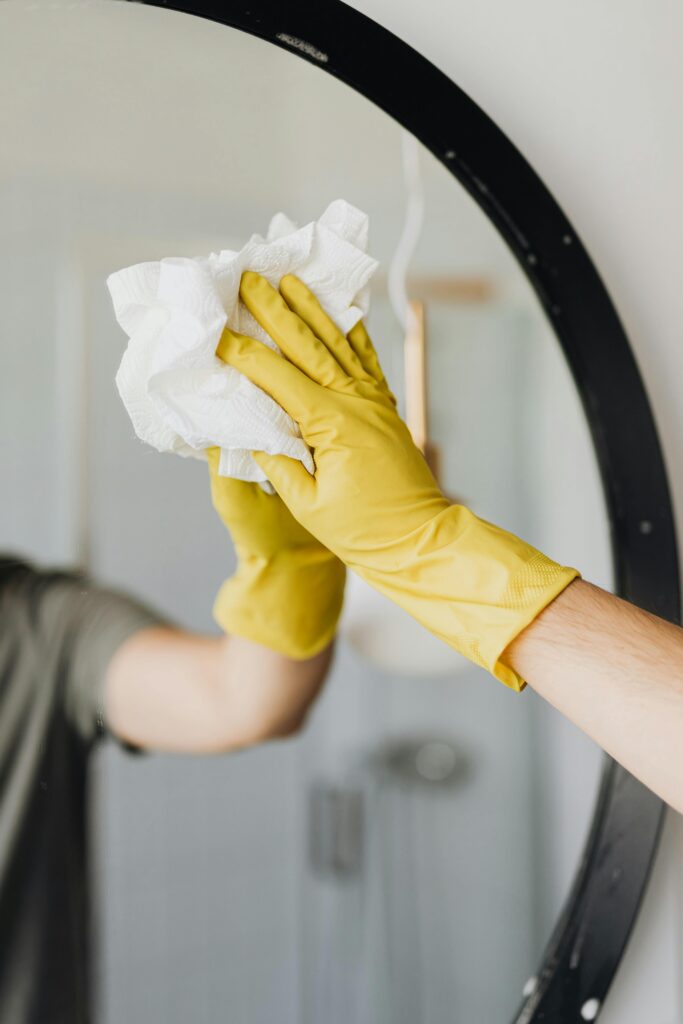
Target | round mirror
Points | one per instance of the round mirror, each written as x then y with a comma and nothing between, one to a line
406,856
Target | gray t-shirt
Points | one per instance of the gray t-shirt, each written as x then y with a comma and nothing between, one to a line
57,635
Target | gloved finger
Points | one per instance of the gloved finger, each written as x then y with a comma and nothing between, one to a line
213,456
360,342
304,303
274,374
292,336
288,476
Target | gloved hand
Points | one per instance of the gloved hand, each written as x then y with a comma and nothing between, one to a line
288,590
373,499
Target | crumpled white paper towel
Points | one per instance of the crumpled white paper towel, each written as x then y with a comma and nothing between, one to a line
180,396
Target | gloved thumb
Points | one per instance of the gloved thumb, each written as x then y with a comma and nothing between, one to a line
288,476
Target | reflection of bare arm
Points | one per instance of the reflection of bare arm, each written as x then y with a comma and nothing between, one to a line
171,690
617,673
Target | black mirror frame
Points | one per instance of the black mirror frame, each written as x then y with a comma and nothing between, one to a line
589,938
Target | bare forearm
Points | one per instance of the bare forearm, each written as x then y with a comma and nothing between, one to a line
268,694
176,691
616,672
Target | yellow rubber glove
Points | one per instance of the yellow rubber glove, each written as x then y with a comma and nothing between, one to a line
288,589
373,499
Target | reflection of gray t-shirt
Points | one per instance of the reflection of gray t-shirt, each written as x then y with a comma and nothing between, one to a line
57,636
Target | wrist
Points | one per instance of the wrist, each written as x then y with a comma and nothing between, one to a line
290,602
473,584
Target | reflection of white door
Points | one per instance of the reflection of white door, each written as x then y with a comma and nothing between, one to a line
217,861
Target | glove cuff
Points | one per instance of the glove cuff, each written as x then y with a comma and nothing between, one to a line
290,603
474,585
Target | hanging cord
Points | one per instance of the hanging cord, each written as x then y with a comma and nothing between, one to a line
412,229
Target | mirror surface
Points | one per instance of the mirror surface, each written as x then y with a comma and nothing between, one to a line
405,858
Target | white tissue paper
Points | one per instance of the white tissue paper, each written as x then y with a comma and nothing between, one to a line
180,396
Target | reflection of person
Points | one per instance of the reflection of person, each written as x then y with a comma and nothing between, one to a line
76,659
613,669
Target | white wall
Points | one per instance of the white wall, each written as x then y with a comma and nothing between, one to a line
591,92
